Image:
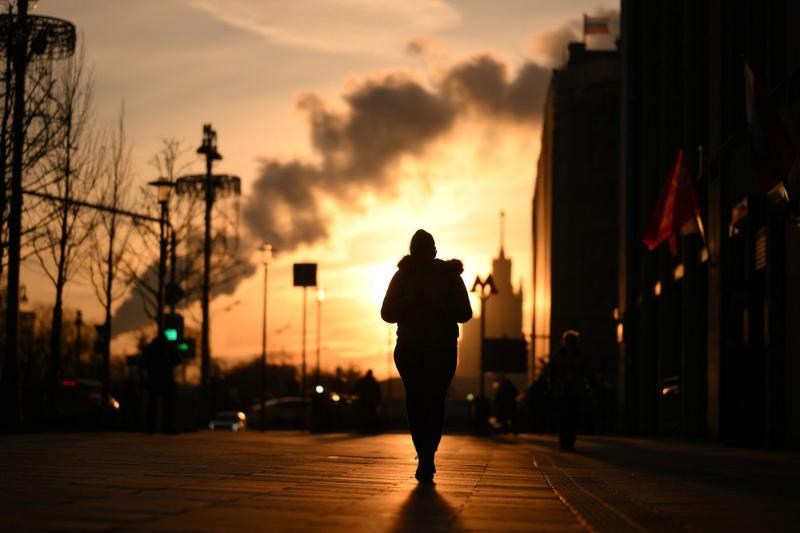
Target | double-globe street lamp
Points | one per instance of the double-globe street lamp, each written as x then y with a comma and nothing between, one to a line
485,288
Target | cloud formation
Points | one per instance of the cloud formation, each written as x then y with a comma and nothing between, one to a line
366,27
384,119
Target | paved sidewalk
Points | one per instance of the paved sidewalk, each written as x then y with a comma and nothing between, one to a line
283,481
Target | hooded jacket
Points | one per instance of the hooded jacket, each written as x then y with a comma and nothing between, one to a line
427,299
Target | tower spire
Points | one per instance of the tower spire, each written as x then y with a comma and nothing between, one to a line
502,233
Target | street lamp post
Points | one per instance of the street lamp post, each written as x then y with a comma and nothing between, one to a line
485,289
209,150
320,299
266,255
210,187
163,191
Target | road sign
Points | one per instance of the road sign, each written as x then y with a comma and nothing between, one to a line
305,274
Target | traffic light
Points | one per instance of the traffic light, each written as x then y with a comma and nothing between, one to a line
186,349
173,327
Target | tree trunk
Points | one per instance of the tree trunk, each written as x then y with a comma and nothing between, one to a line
61,278
107,305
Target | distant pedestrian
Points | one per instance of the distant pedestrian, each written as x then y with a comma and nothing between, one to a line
369,401
505,405
569,387
160,357
427,299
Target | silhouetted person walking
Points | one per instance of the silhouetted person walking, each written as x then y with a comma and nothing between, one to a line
160,358
505,403
369,400
569,385
427,299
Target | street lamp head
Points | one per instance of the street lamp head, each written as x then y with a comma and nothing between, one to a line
209,146
163,189
266,253
484,287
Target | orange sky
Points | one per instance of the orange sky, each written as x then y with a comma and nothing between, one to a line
241,64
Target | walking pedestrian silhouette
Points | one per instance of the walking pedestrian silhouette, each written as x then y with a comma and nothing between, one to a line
427,299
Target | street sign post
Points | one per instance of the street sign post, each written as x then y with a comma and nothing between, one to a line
305,275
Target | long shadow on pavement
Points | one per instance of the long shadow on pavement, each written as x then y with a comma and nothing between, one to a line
426,510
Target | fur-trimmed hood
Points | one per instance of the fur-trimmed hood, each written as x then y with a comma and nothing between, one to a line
452,266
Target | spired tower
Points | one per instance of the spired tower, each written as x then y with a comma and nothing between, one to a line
503,319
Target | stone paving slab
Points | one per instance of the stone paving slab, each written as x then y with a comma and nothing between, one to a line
211,481
289,481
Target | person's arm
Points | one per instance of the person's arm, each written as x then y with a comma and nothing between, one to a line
460,308
395,304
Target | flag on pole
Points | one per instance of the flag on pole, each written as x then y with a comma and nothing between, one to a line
676,211
595,25
773,153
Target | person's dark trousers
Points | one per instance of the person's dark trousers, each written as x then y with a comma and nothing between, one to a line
426,375
569,415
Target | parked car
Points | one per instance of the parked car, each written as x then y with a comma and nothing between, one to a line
286,412
80,403
228,420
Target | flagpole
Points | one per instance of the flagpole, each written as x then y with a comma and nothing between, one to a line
584,29
697,218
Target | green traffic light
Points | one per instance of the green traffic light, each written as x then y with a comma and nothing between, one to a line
171,334
184,347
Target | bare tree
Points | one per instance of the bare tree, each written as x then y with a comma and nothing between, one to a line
186,215
69,171
111,237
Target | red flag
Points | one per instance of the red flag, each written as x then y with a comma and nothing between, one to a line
772,149
677,206
595,25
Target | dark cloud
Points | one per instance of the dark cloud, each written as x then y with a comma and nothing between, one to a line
482,84
384,119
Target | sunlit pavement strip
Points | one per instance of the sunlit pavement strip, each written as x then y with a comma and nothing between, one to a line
293,482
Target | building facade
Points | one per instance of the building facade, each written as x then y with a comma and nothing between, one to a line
575,210
708,339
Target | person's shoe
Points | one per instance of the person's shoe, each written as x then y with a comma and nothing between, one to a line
425,470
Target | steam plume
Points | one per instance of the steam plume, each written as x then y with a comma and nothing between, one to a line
384,119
